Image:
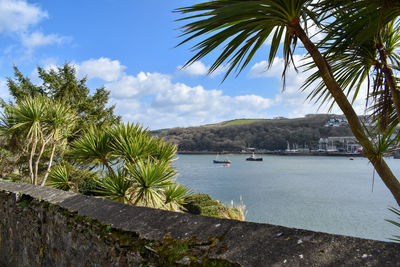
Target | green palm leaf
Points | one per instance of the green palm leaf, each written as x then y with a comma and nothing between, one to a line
395,223
241,27
28,116
93,148
176,195
150,180
115,186
59,178
131,142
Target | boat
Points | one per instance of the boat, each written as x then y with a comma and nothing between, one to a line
224,161
254,158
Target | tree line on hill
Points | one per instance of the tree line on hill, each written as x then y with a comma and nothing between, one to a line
271,134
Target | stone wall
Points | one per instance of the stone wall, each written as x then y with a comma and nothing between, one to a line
40,226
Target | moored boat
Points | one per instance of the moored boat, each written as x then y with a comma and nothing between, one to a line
254,158
224,161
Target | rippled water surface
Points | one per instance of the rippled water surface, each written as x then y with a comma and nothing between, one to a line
328,194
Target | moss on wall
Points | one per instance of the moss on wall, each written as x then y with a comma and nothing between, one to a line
46,221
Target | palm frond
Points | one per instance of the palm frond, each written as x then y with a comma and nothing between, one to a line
130,141
93,148
241,28
115,186
150,180
59,178
395,223
176,195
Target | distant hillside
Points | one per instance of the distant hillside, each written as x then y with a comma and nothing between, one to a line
236,122
268,134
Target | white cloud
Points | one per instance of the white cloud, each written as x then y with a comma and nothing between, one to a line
38,39
195,69
102,68
198,68
136,86
18,15
292,100
154,100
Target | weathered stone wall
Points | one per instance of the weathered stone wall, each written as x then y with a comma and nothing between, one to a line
41,226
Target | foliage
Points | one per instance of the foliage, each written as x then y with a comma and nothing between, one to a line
360,40
395,223
266,134
175,196
65,176
203,204
136,167
8,160
62,85
58,85
59,178
115,186
35,125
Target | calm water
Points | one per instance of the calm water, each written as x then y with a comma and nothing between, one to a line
327,194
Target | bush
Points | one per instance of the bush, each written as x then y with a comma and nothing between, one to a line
203,204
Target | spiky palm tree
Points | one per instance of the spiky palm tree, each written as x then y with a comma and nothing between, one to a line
116,186
33,124
243,26
25,120
94,148
59,124
150,180
176,195
139,166
59,178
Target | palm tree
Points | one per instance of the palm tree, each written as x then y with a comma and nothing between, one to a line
33,124
60,122
150,180
59,178
139,166
116,186
176,195
94,148
243,26
25,120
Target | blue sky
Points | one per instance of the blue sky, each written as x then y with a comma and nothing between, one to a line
128,47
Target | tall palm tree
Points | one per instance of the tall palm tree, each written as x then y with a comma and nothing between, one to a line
24,120
243,26
36,123
60,122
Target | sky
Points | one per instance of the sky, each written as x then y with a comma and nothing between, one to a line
129,48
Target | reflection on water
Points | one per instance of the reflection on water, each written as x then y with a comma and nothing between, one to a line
327,194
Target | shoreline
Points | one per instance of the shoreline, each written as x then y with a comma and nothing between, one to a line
331,154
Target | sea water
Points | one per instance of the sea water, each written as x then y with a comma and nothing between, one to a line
319,193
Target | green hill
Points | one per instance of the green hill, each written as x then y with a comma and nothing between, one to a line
235,122
268,134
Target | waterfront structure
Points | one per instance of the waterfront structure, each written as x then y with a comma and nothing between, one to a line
340,144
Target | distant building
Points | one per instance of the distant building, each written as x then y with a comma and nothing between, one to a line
336,121
339,144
